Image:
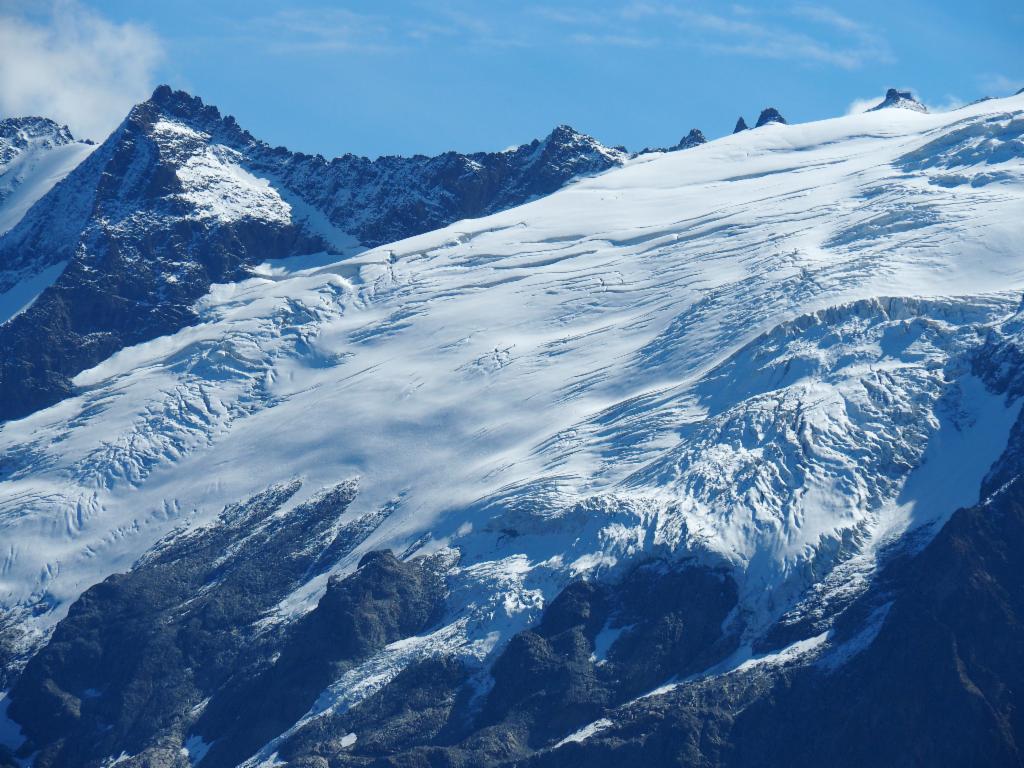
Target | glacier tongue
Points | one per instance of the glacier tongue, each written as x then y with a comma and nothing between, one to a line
595,376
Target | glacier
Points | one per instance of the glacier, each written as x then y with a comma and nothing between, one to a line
755,354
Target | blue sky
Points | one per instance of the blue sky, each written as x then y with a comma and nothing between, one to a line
408,76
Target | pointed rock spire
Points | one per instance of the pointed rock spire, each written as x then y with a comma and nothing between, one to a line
693,139
901,100
741,125
769,115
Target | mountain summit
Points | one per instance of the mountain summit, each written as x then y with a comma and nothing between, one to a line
769,115
900,100
693,139
17,134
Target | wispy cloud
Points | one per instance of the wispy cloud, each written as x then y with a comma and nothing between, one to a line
811,34
949,102
569,15
306,30
830,18
333,30
995,84
66,62
833,39
857,106
621,41
582,26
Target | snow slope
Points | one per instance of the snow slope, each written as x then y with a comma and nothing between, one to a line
35,154
711,353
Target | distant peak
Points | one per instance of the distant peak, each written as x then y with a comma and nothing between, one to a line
741,125
1019,92
162,93
565,138
899,100
33,127
693,139
769,115
563,134
181,104
184,107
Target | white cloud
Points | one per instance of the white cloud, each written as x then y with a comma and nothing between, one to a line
863,105
995,84
949,102
66,62
322,30
621,41
743,31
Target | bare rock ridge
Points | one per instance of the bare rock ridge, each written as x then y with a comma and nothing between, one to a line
693,139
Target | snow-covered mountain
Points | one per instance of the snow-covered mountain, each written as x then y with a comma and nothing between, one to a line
899,100
180,197
642,449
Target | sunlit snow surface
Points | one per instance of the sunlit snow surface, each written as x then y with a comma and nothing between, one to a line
569,385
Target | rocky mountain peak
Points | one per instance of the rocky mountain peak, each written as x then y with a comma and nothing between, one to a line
181,107
562,134
769,115
900,99
565,137
693,139
17,133
741,125
25,128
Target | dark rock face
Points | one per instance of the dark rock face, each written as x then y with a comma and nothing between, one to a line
150,670
595,647
143,239
139,651
769,115
934,674
931,670
741,125
383,601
